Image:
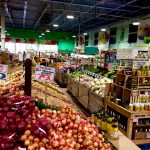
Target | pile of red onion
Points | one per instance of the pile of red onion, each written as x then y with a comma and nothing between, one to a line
15,112
62,130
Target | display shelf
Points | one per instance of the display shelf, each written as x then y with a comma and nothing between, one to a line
143,141
142,76
123,143
132,116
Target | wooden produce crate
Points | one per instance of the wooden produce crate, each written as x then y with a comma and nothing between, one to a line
132,117
60,77
75,88
69,84
64,78
83,90
95,102
84,100
83,95
57,75
107,89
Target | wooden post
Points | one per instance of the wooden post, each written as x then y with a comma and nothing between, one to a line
28,75
3,31
46,93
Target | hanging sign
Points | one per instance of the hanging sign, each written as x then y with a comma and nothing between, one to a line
43,73
3,72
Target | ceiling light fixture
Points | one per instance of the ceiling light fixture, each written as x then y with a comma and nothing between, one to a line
42,34
103,30
47,30
5,31
8,34
73,36
136,23
84,33
70,17
55,25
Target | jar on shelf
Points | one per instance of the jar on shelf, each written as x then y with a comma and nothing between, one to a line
131,107
142,106
148,73
146,106
136,107
114,134
139,73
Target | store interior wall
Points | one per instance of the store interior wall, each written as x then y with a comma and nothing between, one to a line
66,44
120,44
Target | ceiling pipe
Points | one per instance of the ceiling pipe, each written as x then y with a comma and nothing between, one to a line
10,18
122,6
41,16
59,15
25,12
85,5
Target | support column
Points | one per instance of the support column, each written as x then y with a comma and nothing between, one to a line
3,31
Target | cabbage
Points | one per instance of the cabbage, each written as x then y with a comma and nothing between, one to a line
97,92
98,83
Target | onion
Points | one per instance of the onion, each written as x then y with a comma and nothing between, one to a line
63,122
27,142
80,140
42,148
55,143
23,137
69,135
27,132
62,142
95,144
36,140
41,144
36,145
31,147
31,138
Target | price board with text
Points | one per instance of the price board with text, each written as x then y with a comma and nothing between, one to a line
43,73
3,71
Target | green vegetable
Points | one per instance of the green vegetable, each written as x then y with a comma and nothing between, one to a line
43,106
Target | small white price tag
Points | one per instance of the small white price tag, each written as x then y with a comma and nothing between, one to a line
135,119
19,148
148,135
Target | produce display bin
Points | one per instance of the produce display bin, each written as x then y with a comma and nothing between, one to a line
75,88
61,78
69,84
83,90
84,100
95,102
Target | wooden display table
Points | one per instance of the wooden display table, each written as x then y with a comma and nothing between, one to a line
123,143
132,117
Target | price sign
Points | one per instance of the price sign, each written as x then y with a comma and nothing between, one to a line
148,135
3,72
135,119
43,73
